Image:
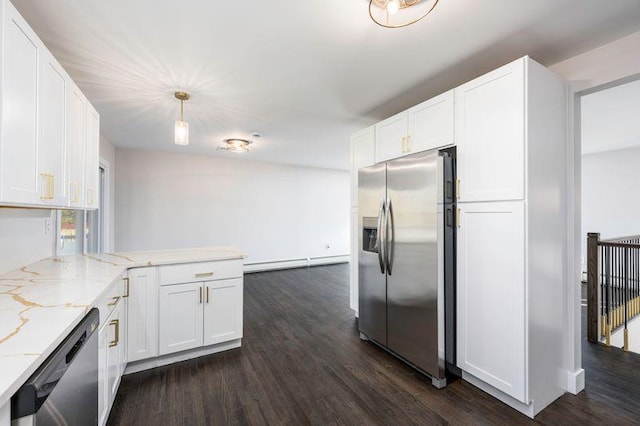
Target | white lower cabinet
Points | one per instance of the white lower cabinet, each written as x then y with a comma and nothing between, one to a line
491,295
112,356
222,311
199,314
181,313
150,312
142,310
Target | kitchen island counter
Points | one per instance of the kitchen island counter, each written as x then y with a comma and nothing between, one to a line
42,302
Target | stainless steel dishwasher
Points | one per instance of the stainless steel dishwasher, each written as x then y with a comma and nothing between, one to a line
64,389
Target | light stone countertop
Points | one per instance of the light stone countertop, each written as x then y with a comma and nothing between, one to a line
41,303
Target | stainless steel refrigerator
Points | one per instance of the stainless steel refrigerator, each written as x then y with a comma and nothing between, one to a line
406,260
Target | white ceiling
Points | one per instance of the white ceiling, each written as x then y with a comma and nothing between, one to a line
610,119
306,74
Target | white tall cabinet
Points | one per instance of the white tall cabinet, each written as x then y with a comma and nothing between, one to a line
510,131
362,155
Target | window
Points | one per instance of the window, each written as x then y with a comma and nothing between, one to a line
96,219
80,231
70,232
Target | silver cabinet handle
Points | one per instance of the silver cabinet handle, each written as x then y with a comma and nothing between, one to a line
390,238
380,240
204,274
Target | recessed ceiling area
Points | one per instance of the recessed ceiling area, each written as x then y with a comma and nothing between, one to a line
304,74
610,119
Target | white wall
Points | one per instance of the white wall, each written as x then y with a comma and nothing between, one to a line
22,237
610,185
613,61
273,212
108,155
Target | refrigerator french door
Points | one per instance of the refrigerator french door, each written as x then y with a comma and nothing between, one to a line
406,218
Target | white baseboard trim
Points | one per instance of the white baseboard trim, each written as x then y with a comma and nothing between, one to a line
146,364
295,263
575,381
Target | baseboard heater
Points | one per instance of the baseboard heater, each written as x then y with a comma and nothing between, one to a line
295,263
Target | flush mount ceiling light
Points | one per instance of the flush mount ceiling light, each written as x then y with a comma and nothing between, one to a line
236,145
182,127
399,13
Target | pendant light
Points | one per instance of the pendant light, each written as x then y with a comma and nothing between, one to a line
399,13
182,127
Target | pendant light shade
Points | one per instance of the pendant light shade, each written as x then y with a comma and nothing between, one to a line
399,13
181,130
181,133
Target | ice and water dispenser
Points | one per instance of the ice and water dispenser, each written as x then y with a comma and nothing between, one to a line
370,234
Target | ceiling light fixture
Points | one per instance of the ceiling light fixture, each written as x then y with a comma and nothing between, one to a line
236,145
182,127
399,13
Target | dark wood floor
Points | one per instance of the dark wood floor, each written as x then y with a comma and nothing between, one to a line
301,362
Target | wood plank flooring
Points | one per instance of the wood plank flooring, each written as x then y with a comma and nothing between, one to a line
301,362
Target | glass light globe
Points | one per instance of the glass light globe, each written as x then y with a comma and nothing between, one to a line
181,133
393,6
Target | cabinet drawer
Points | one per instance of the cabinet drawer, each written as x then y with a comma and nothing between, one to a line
201,271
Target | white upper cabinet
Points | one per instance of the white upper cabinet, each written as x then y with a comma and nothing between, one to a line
49,136
362,155
76,143
490,135
20,180
52,128
391,137
431,123
92,140
426,126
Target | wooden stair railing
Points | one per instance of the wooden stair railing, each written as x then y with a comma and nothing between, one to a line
613,285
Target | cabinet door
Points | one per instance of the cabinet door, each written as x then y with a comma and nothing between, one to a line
180,317
491,295
222,311
490,133
353,266
114,352
76,145
431,124
391,136
142,315
362,155
19,150
52,127
92,140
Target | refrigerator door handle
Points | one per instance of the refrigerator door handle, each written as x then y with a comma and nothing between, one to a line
380,244
389,242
